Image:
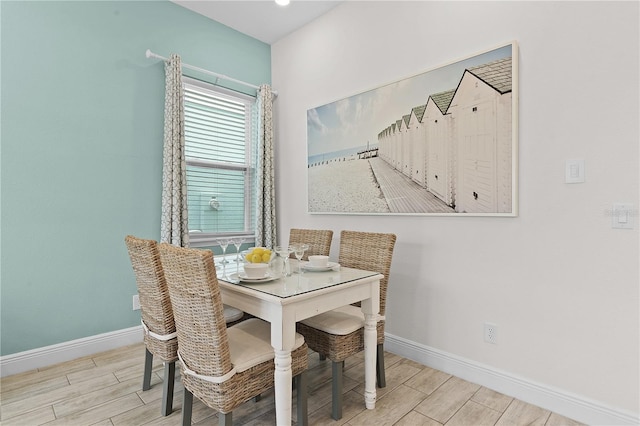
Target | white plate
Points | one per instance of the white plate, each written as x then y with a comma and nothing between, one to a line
309,267
242,277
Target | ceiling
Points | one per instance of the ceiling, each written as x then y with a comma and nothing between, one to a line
262,19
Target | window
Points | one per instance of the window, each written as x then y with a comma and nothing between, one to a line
220,158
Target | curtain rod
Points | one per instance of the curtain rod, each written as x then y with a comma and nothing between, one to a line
150,54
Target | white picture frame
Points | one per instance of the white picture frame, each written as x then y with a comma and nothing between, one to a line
442,142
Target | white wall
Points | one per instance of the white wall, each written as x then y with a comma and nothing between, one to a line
561,285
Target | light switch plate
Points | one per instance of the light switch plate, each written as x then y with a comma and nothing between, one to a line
622,216
574,171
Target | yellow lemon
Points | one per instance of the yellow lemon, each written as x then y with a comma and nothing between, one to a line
256,258
266,257
258,250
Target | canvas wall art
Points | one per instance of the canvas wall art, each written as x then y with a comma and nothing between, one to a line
443,142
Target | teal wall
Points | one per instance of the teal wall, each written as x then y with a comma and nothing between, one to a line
81,153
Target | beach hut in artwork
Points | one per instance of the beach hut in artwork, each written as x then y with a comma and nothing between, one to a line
441,157
386,145
405,146
382,144
417,145
391,144
397,146
481,110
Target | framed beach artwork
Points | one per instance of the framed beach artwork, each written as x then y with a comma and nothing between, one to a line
443,142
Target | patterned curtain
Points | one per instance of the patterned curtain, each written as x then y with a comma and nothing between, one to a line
174,227
266,205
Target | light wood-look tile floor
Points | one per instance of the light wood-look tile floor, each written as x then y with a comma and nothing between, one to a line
105,389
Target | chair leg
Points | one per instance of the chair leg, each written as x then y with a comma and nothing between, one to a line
148,364
225,419
382,382
301,395
336,389
167,387
187,405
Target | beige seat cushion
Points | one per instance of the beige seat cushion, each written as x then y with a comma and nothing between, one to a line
232,314
250,343
340,321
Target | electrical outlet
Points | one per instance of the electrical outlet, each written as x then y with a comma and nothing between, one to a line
490,333
136,302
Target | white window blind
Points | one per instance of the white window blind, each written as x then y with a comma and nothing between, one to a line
219,153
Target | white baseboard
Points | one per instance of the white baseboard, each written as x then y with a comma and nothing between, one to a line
561,402
66,351
564,403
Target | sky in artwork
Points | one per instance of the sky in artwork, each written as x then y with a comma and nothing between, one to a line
356,121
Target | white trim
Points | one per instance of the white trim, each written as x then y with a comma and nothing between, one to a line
161,337
559,401
67,351
210,379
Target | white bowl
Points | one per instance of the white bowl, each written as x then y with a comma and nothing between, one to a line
318,261
256,270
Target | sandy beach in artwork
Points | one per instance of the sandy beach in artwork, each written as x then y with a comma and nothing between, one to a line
345,186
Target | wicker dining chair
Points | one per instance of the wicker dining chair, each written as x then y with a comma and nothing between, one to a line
158,325
159,328
339,333
223,367
319,241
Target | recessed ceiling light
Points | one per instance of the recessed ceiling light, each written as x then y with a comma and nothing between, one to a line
282,2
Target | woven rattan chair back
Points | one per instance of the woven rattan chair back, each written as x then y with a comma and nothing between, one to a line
369,251
319,241
361,250
156,312
198,310
204,344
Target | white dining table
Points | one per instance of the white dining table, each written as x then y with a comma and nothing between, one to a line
287,300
